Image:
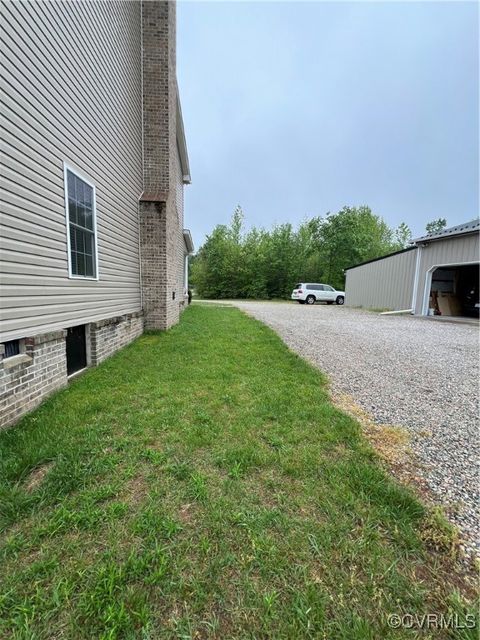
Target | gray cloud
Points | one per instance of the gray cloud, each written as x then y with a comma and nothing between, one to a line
295,109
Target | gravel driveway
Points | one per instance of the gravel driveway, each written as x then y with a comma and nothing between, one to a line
418,373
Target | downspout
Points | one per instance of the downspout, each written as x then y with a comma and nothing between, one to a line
415,279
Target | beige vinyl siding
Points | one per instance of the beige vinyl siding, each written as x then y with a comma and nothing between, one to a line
71,80
451,251
382,284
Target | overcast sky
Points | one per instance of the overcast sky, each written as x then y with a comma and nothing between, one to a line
295,109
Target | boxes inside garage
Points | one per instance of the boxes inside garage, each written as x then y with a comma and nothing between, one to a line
455,291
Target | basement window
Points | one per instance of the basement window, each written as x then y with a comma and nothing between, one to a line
12,348
81,226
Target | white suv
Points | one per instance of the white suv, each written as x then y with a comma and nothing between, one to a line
311,293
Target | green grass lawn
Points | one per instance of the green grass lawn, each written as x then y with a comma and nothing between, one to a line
200,484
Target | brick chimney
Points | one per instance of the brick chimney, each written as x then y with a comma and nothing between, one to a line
159,224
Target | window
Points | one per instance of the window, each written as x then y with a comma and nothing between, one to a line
82,250
315,287
12,348
327,287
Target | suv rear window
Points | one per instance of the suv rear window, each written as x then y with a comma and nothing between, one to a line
298,286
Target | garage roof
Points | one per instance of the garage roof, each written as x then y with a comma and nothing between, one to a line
459,230
388,255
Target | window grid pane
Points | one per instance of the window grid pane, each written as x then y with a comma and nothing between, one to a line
82,236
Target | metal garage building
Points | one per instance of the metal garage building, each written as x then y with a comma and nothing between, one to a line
439,271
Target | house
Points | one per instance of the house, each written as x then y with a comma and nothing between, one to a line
439,271
94,163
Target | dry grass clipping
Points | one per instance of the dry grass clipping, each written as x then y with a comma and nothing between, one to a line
36,476
389,441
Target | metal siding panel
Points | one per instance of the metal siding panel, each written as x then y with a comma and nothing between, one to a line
383,284
54,51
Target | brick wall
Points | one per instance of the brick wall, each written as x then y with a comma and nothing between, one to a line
108,336
154,263
161,223
159,120
27,379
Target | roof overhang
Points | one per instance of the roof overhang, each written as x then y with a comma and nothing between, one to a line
182,145
154,196
472,226
187,237
388,255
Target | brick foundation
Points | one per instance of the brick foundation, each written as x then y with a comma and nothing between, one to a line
108,336
27,379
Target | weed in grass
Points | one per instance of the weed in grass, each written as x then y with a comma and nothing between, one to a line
438,534
154,456
197,487
240,460
236,470
179,470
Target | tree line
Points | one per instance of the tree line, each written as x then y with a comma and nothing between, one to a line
259,263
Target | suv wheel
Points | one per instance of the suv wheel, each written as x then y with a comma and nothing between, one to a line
310,300
340,300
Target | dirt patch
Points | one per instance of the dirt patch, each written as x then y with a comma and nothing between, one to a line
186,514
37,476
135,489
392,444
389,441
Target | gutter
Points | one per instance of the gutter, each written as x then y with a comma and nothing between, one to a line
187,238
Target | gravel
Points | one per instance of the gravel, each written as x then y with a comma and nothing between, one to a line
418,373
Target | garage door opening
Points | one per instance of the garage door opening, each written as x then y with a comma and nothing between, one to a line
455,291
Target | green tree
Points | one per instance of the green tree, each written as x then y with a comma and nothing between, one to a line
263,263
436,225
402,235
218,270
352,235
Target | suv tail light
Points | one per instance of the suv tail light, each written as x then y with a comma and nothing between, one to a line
299,291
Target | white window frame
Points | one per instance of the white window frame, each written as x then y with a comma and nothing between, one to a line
79,174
